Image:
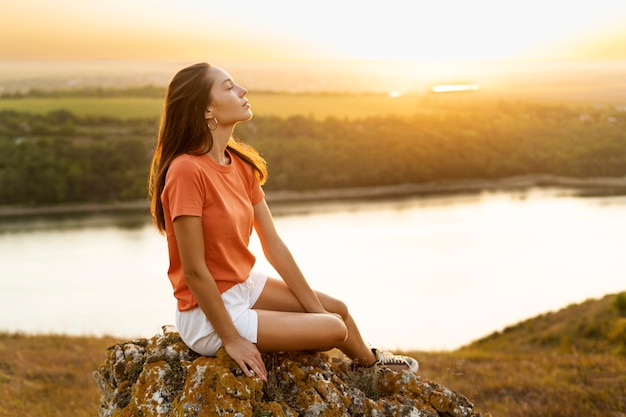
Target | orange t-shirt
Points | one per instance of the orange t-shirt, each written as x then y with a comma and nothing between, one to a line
224,196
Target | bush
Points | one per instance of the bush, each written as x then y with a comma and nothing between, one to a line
620,303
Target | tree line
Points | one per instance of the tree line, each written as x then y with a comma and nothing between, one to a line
62,158
98,92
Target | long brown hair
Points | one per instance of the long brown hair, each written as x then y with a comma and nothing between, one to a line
183,129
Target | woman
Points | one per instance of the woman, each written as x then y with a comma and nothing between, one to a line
206,197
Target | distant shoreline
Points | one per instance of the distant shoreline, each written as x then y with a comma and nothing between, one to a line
611,185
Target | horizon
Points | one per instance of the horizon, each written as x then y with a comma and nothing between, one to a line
590,81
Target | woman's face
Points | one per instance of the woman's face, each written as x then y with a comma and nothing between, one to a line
229,104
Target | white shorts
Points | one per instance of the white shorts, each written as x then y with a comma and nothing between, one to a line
198,333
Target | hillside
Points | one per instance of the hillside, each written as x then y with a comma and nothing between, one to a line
568,363
593,326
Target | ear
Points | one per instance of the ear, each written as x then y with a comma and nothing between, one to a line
208,114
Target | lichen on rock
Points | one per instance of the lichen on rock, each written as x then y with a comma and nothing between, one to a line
162,377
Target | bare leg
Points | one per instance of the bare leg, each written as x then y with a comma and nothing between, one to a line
284,325
354,346
288,331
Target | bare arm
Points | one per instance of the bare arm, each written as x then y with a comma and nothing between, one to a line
189,235
279,256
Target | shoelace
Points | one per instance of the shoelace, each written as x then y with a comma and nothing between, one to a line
385,357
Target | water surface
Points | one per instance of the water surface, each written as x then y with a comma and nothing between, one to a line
417,273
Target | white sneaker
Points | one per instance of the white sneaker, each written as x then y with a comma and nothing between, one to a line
395,362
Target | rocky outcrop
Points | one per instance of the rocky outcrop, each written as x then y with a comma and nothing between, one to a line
162,377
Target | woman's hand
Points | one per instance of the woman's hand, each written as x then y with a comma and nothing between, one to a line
247,356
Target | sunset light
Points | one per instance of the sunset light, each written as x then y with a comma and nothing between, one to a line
454,88
284,30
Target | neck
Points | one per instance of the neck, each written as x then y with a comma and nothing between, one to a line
218,151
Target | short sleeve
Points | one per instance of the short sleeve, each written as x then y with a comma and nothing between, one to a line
257,193
183,194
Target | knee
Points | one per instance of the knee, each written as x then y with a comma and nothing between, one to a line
339,307
337,331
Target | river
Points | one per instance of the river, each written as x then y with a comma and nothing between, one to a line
423,272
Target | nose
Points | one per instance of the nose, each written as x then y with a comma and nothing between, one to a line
244,91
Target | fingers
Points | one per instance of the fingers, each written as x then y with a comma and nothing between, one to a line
248,358
255,367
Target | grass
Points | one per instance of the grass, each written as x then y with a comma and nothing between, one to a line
567,363
539,383
508,374
50,375
319,106
117,107
322,106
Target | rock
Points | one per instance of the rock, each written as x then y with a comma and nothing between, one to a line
162,377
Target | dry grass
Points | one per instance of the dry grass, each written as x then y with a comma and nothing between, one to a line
526,370
49,375
543,383
52,376
567,363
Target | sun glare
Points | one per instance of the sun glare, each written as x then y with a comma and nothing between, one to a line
446,30
477,30
454,88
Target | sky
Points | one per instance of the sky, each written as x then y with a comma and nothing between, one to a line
274,30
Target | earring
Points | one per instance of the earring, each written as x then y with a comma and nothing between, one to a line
209,123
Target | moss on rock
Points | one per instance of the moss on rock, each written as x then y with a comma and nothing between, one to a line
162,377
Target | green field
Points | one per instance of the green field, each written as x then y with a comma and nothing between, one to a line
118,107
319,106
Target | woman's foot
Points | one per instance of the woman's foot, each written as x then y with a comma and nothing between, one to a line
395,362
